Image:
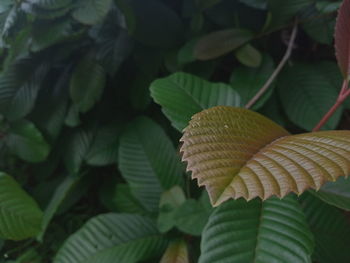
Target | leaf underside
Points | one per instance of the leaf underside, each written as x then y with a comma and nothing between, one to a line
238,153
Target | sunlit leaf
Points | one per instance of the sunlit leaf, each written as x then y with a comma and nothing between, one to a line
238,153
177,252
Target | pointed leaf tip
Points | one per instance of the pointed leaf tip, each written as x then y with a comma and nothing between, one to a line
342,38
237,153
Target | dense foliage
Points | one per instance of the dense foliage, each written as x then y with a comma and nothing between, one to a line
95,95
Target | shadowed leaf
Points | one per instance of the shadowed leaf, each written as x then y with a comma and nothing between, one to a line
342,38
220,43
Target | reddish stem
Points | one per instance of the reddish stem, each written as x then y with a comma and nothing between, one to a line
344,93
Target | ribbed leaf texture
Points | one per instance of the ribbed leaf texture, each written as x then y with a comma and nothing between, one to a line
181,95
148,161
176,252
109,238
331,229
342,38
238,153
261,232
20,216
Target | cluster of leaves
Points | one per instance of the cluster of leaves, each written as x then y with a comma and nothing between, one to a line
94,95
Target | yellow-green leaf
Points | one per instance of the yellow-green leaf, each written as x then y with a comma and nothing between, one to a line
239,153
176,252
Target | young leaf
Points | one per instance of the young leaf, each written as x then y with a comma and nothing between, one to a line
191,217
169,202
220,43
177,252
331,230
148,161
111,237
342,38
271,231
181,95
20,216
335,193
249,56
238,153
26,141
87,84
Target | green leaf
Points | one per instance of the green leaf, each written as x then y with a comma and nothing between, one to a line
308,91
108,238
272,231
57,199
20,216
181,95
177,252
319,27
48,34
148,161
19,87
87,84
335,193
51,4
26,141
249,56
91,12
76,149
104,147
239,153
169,202
259,4
281,14
220,43
191,217
156,24
331,230
247,81
125,202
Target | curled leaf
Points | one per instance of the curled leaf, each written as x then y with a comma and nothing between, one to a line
239,153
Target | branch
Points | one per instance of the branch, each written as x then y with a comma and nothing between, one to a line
344,93
277,70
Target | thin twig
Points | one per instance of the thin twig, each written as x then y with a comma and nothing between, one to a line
343,95
277,70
